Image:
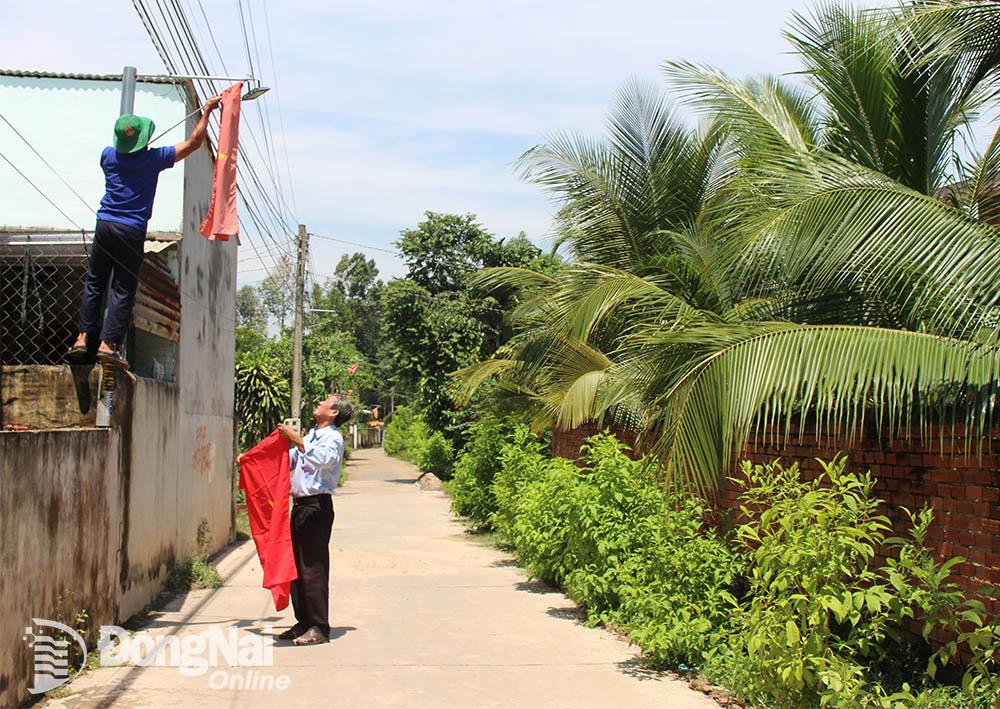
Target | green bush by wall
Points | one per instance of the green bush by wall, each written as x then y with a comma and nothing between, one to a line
789,609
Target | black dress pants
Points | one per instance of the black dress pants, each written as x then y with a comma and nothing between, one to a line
312,522
117,254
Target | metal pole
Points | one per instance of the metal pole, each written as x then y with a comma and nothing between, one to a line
106,383
300,288
128,91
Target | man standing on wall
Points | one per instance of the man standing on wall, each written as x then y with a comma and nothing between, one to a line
315,463
131,171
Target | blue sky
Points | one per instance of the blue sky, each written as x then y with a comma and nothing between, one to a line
391,108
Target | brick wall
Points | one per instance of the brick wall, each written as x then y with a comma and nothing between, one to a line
566,443
963,491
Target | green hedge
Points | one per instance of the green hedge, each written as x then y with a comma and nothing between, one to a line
408,437
789,609
628,553
472,487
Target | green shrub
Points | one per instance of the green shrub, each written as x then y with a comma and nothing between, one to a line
406,435
261,399
823,621
471,489
607,532
644,561
193,574
396,439
816,622
542,521
436,456
521,462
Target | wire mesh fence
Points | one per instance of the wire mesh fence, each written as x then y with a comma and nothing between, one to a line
41,279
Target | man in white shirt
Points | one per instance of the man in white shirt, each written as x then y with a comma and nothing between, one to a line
315,463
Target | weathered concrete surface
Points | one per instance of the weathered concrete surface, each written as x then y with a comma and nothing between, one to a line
60,515
48,396
423,616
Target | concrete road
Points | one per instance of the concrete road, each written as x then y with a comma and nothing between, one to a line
422,614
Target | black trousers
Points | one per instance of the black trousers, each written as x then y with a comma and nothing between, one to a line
117,253
312,522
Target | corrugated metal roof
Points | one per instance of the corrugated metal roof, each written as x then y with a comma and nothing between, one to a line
158,299
155,240
30,74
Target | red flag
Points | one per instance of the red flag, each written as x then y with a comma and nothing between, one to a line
265,477
353,369
221,221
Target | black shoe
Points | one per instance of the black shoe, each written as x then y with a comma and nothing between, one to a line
293,632
313,636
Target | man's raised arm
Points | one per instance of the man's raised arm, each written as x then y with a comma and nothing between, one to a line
197,136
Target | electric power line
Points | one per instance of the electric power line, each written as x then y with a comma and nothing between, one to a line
118,263
47,164
355,243
281,118
196,61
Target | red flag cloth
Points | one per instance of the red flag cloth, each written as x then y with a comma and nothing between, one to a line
221,221
265,477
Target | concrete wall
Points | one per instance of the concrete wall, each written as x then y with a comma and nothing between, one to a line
91,520
150,530
183,446
48,396
206,363
60,522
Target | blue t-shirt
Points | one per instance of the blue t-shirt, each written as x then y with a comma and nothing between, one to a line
130,184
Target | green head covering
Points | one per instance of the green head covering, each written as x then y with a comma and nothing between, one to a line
132,133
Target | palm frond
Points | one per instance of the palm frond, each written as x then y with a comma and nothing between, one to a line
764,110
843,375
651,173
838,225
848,59
968,30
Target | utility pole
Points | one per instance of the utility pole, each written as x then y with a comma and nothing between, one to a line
300,289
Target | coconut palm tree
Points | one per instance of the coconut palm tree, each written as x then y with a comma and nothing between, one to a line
794,260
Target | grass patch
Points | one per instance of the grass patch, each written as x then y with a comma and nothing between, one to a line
193,574
242,525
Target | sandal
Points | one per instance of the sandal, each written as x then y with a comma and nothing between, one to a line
77,355
112,358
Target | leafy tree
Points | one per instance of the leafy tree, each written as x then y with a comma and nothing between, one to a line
442,250
790,258
356,276
353,294
277,291
249,309
431,336
434,322
326,361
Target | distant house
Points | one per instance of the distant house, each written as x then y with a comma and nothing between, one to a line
92,518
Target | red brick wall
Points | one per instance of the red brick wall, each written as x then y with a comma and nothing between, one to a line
964,492
566,444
